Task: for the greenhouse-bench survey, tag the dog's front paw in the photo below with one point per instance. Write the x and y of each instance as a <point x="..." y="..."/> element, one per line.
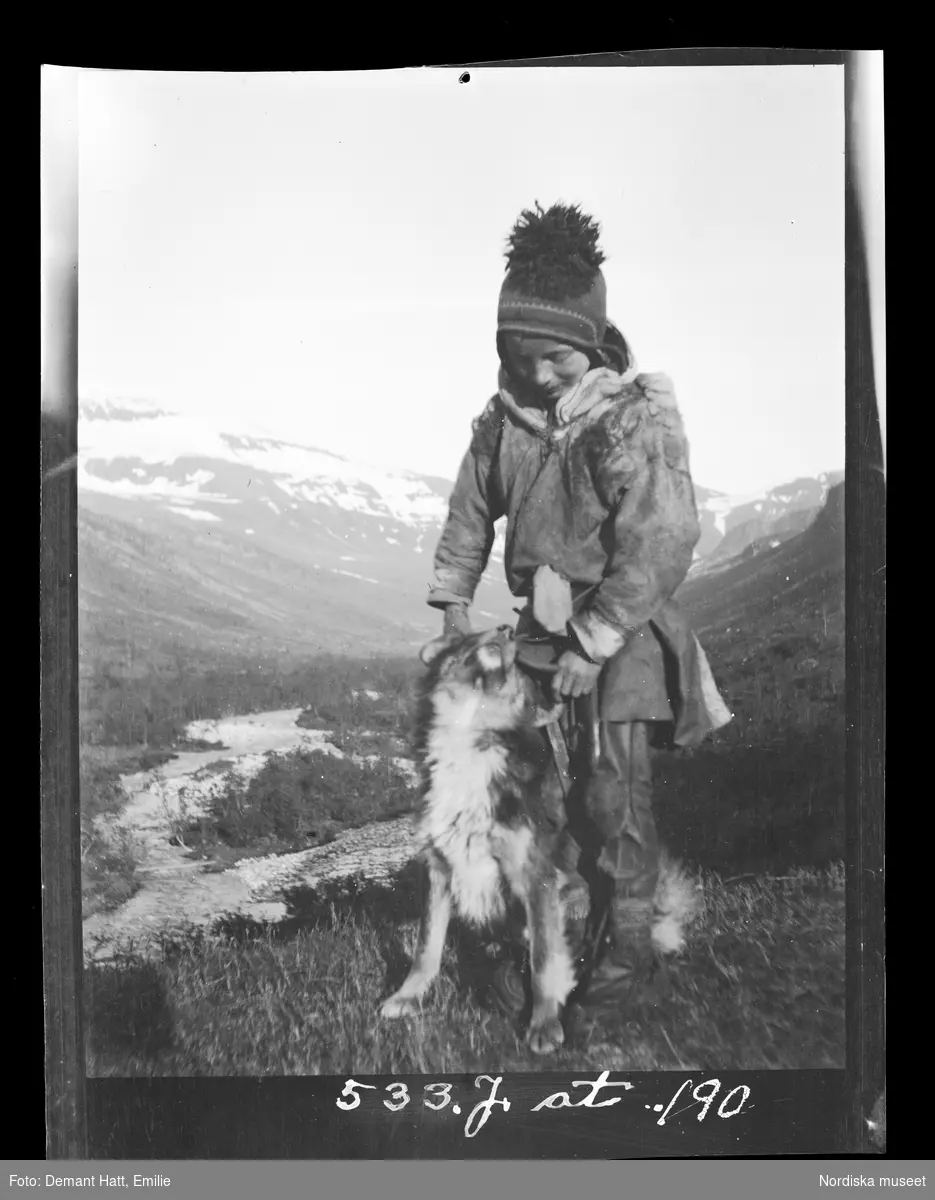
<point x="546" y="1036"/>
<point x="399" y="1006"/>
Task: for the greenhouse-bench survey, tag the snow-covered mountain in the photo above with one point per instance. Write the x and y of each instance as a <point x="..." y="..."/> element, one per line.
<point x="234" y="538"/>
<point x="733" y="525"/>
<point x="240" y="539"/>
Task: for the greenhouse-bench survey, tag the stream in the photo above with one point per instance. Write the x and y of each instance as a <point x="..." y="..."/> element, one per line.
<point x="176" y="892"/>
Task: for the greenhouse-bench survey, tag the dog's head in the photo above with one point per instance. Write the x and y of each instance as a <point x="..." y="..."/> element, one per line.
<point x="485" y="667"/>
<point x="484" y="661"/>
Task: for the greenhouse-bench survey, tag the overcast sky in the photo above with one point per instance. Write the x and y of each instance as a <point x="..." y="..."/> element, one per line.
<point x="321" y="253"/>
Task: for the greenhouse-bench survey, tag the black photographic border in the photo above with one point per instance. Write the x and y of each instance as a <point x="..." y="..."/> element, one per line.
<point x="808" y="1112"/>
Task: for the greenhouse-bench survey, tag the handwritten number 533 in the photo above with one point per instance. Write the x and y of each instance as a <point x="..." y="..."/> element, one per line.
<point x="399" y="1095"/>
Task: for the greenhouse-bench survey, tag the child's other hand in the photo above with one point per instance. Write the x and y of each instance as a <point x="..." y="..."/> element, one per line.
<point x="575" y="676"/>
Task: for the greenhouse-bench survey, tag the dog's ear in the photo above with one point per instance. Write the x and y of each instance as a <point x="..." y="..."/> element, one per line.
<point x="431" y="650"/>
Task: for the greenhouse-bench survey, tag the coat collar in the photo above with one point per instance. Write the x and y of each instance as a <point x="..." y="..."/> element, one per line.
<point x="596" y="386"/>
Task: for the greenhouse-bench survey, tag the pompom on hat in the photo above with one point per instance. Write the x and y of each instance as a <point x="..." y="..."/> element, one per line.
<point x="554" y="287"/>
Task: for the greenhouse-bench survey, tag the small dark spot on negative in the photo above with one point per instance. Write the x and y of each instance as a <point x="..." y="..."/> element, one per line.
<point x="465" y="78"/>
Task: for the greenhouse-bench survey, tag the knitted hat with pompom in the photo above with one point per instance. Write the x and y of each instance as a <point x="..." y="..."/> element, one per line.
<point x="554" y="287"/>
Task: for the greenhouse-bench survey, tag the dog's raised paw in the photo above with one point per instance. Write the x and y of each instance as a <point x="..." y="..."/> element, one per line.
<point x="546" y="1037"/>
<point x="399" y="1006"/>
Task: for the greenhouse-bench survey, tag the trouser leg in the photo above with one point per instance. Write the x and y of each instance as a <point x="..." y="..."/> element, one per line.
<point x="619" y="803"/>
<point x="626" y="857"/>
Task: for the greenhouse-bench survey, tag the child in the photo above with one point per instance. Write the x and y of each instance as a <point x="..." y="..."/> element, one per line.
<point x="588" y="462"/>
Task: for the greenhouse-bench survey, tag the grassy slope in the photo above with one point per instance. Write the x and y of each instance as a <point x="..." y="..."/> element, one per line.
<point x="760" y="987"/>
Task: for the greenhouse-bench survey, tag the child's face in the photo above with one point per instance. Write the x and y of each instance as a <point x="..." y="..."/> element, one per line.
<point x="551" y="369"/>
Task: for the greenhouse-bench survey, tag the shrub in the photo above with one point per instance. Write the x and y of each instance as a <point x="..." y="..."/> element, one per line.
<point x="109" y="865"/>
<point x="306" y="795"/>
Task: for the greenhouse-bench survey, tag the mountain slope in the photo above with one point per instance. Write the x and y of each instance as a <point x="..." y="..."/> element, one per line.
<point x="194" y="537"/>
<point x="805" y="571"/>
<point x="187" y="585"/>
<point x="773" y="624"/>
<point x="730" y="524"/>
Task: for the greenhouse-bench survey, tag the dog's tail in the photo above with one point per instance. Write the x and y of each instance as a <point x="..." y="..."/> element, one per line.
<point x="675" y="905"/>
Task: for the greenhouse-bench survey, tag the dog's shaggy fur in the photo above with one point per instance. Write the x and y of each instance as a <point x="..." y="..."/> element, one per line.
<point x="485" y="833"/>
<point x="675" y="906"/>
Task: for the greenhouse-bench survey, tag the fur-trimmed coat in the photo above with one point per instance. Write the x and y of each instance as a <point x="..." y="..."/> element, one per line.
<point x="599" y="491"/>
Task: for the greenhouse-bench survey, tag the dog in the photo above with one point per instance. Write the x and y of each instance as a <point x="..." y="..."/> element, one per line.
<point x="485" y="835"/>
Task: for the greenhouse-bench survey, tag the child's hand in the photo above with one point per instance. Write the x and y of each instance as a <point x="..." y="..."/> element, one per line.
<point x="575" y="676"/>
<point x="457" y="622"/>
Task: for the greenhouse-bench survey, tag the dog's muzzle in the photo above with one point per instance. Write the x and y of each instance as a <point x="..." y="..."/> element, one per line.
<point x="498" y="651"/>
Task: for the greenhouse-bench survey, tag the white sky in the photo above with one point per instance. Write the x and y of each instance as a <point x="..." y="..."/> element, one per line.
<point x="322" y="253"/>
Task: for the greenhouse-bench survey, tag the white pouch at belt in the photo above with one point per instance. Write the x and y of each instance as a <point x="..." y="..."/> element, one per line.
<point x="551" y="600"/>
